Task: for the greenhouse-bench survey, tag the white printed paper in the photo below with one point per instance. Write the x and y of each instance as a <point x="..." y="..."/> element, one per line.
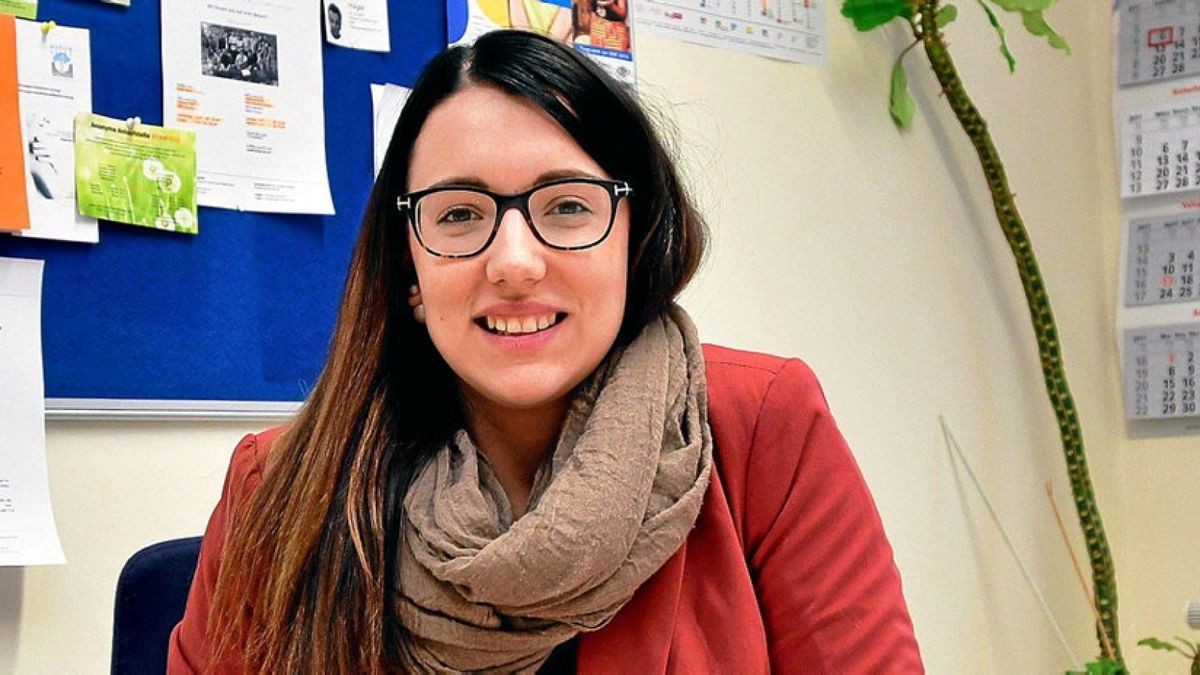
<point x="792" y="30"/>
<point x="54" y="75"/>
<point x="27" y="532"/>
<point x="387" y="100"/>
<point x="246" y="77"/>
<point x="358" y="24"/>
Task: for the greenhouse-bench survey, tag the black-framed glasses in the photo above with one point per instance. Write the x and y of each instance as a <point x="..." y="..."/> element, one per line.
<point x="568" y="214"/>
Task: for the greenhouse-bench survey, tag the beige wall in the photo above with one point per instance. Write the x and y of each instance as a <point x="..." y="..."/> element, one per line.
<point x="873" y="255"/>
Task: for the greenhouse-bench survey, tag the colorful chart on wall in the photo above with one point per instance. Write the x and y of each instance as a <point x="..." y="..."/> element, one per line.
<point x="602" y="30"/>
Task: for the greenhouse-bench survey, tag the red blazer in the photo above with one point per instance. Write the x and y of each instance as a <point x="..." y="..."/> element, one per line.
<point x="788" y="569"/>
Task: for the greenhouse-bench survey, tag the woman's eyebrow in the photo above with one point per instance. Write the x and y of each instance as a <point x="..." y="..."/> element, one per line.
<point x="474" y="181"/>
<point x="556" y="174"/>
<point x="469" y="181"/>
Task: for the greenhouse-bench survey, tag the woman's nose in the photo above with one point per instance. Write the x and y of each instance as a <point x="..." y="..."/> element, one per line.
<point x="515" y="256"/>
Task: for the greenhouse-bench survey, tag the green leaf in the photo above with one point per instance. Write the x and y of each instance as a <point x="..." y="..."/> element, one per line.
<point x="1190" y="645"/>
<point x="868" y="14"/>
<point x="1023" y="5"/>
<point x="1012" y="63"/>
<point x="1105" y="666"/>
<point x="945" y="15"/>
<point x="1036" y="24"/>
<point x="901" y="104"/>
<point x="1155" y="643"/>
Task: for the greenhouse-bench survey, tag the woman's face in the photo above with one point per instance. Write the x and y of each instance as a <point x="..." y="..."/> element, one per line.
<point x="482" y="136"/>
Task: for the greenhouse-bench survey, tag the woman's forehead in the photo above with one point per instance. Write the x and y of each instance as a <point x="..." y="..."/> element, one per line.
<point x="496" y="138"/>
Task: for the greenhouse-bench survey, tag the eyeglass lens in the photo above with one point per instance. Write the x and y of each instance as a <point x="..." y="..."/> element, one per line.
<point x="568" y="215"/>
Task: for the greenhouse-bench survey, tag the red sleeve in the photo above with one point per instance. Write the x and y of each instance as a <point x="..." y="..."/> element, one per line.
<point x="188" y="650"/>
<point x="823" y="569"/>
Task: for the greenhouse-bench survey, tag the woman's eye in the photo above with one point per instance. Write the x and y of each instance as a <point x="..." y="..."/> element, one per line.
<point x="458" y="216"/>
<point x="569" y="208"/>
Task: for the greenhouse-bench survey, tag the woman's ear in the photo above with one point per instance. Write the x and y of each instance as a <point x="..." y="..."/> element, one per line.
<point x="415" y="302"/>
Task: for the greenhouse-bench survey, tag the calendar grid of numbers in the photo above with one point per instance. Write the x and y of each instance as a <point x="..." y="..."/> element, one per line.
<point x="1161" y="151"/>
<point x="1159" y="40"/>
<point x="1160" y="371"/>
<point x="1161" y="260"/>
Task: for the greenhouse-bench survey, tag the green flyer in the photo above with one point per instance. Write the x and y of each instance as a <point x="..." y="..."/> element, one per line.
<point x="135" y="173"/>
<point x="25" y="9"/>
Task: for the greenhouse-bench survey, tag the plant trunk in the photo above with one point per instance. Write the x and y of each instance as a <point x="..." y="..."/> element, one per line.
<point x="1044" y="326"/>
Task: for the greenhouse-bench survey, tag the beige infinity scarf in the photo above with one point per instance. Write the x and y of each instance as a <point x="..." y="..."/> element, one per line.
<point x="619" y="496"/>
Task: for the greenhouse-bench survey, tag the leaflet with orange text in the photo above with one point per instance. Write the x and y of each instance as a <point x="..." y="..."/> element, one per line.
<point x="246" y="77"/>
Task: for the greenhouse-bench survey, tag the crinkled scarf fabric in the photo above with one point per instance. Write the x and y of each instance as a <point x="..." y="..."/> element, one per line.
<point x="618" y="496"/>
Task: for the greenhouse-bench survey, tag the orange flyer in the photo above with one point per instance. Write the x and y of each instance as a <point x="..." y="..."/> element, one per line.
<point x="14" y="207"/>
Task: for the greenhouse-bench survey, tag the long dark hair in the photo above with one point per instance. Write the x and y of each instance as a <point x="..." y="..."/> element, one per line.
<point x="306" y="577"/>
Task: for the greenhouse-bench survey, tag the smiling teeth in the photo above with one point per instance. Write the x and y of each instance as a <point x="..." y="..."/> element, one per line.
<point x="520" y="325"/>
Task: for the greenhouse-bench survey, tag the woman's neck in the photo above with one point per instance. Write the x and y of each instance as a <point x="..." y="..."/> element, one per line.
<point x="515" y="442"/>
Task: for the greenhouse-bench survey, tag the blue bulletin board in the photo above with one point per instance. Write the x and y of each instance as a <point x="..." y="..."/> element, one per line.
<point x="235" y="320"/>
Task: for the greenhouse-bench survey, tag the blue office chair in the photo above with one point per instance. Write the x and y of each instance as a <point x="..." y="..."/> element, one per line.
<point x="151" y="595"/>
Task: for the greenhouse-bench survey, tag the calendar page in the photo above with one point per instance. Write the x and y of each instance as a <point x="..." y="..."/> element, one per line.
<point x="1161" y="260"/>
<point x="1160" y="150"/>
<point x="1160" y="371"/>
<point x="1159" y="40"/>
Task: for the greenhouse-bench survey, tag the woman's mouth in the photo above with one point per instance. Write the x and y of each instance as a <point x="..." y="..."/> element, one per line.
<point x="519" y="325"/>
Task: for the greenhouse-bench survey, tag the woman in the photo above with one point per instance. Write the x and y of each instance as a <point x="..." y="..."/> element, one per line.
<point x="507" y="464"/>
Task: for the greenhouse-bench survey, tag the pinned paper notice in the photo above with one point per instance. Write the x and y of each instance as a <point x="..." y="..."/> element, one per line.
<point x="28" y="535"/>
<point x="136" y="173"/>
<point x="362" y="24"/>
<point x="14" y="210"/>
<point x="25" y="9"/>
<point x="243" y="82"/>
<point x="387" y="100"/>
<point x="55" y="74"/>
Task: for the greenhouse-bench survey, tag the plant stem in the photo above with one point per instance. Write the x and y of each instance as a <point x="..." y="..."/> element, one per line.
<point x="1044" y="327"/>
<point x="1087" y="594"/>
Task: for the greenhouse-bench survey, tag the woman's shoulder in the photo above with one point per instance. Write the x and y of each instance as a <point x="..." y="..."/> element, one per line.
<point x="249" y="460"/>
<point x="744" y="381"/>
<point x="761" y="400"/>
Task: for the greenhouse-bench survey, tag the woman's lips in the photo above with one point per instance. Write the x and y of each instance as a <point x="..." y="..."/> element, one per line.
<point x="517" y="324"/>
<point x="523" y="341"/>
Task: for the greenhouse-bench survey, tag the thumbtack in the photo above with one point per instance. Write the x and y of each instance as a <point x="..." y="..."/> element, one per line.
<point x="47" y="26"/>
<point x="131" y="122"/>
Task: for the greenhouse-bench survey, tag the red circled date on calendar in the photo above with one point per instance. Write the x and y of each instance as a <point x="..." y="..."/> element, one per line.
<point x="1160" y="37"/>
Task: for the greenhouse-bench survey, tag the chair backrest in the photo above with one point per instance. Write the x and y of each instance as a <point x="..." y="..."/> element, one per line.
<point x="151" y="595"/>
